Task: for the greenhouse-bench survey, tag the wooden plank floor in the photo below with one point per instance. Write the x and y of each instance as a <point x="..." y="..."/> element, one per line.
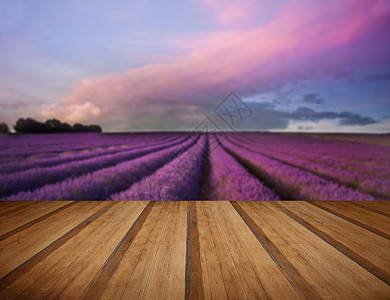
<point x="194" y="250"/>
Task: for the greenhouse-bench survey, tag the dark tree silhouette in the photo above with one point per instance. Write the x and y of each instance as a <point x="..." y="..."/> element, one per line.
<point x="56" y="126"/>
<point x="94" y="128"/>
<point x="4" y="128"/>
<point x="86" y="128"/>
<point x="29" y="125"/>
<point x="78" y="127"/>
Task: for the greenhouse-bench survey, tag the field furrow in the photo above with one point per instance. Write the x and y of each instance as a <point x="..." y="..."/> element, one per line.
<point x="291" y="182"/>
<point x="231" y="166"/>
<point x="37" y="177"/>
<point x="43" y="146"/>
<point x="229" y="180"/>
<point x="374" y="186"/>
<point x="87" y="154"/>
<point x="101" y="184"/>
<point x="181" y="179"/>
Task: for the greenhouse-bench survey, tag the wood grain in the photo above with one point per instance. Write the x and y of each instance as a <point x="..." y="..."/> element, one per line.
<point x="23" y="222"/>
<point x="194" y="282"/>
<point x="374" y="208"/>
<point x="233" y="258"/>
<point x="10" y="207"/>
<point x="382" y="206"/>
<point x="289" y="271"/>
<point x="92" y="215"/>
<point x="328" y="271"/>
<point x="358" y="216"/>
<point x="167" y="276"/>
<point x="131" y="276"/>
<point x="376" y="260"/>
<point x="102" y="277"/>
<point x="194" y="250"/>
<point x="66" y="267"/>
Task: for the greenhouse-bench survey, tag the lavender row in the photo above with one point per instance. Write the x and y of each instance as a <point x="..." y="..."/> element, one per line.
<point x="49" y="160"/>
<point x="371" y="160"/>
<point x="291" y="182"/>
<point x="344" y="154"/>
<point x="66" y="143"/>
<point x="68" y="153"/>
<point x="228" y="180"/>
<point x="52" y="140"/>
<point x="15" y="141"/>
<point x="361" y="177"/>
<point x="25" y="145"/>
<point x="52" y="161"/>
<point x="101" y="184"/>
<point x="37" y="177"/>
<point x="181" y="179"/>
<point x="365" y="183"/>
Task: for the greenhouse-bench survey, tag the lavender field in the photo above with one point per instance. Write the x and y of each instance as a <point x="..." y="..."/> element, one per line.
<point x="183" y="166"/>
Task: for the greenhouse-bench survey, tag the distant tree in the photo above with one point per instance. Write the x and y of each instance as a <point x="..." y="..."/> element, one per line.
<point x="29" y="125"/>
<point x="54" y="125"/>
<point x="4" y="128"/>
<point x="78" y="128"/>
<point x="86" y="128"/>
<point x="94" y="128"/>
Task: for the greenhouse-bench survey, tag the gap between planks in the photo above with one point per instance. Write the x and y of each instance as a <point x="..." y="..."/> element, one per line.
<point x="193" y="271"/>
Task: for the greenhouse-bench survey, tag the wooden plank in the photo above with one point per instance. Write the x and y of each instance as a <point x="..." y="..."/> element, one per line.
<point x="193" y="278"/>
<point x="105" y="273"/>
<point x="211" y="270"/>
<point x="10" y="225"/>
<point x="288" y="269"/>
<point x="238" y="273"/>
<point x="130" y="277"/>
<point x="365" y="248"/>
<point x="48" y="278"/>
<point x="247" y="270"/>
<point x="19" y="216"/>
<point x="328" y="271"/>
<point x="89" y="263"/>
<point x="19" y="265"/>
<point x="140" y="279"/>
<point x="175" y="283"/>
<point x="366" y="219"/>
<point x="88" y="250"/>
<point x="10" y="207"/>
<point x="379" y="207"/>
<point x="167" y="277"/>
<point x="38" y="279"/>
<point x="19" y="248"/>
<point x="383" y="206"/>
<point x="245" y="246"/>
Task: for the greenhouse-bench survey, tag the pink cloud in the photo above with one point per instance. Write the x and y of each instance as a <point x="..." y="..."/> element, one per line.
<point x="307" y="39"/>
<point x="72" y="113"/>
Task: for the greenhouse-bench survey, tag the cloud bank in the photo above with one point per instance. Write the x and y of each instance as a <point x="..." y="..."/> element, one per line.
<point x="267" y="116"/>
<point x="307" y="39"/>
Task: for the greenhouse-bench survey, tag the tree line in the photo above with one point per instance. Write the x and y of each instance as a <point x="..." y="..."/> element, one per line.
<point x="29" y="125"/>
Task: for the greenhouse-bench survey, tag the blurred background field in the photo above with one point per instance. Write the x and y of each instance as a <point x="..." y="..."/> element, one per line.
<point x="195" y="166"/>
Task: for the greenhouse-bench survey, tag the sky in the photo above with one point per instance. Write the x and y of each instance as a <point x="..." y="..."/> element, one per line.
<point x="294" y="65"/>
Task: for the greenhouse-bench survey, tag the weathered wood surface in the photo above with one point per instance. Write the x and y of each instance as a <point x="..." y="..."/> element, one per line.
<point x="194" y="250"/>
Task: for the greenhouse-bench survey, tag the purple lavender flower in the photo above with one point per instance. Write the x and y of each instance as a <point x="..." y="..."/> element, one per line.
<point x="229" y="180"/>
<point x="99" y="185"/>
<point x="181" y="179"/>
<point x="291" y="182"/>
<point x="37" y="177"/>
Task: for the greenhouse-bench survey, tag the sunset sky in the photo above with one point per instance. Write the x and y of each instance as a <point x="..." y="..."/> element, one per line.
<point x="304" y="65"/>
